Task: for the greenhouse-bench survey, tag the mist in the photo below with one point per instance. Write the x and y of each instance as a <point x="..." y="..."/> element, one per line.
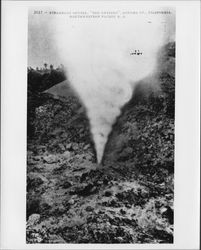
<point x="105" y="59"/>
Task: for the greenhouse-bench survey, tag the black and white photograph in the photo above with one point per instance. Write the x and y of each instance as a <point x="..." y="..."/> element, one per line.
<point x="100" y="125"/>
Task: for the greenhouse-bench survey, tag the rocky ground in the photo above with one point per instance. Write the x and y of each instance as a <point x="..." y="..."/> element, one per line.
<point x="126" y="199"/>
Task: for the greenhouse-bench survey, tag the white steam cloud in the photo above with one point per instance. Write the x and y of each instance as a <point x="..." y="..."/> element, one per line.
<point x="102" y="67"/>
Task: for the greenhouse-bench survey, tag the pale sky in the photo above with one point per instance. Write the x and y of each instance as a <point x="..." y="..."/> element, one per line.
<point x="41" y="47"/>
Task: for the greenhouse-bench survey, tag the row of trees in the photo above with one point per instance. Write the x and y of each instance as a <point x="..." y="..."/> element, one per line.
<point x="46" y="68"/>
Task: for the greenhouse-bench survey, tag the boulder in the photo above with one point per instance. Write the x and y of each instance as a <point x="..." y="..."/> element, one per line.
<point x="33" y="219"/>
<point x="50" y="159"/>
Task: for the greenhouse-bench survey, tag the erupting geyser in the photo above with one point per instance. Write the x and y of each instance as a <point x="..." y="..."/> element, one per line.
<point x="105" y="58"/>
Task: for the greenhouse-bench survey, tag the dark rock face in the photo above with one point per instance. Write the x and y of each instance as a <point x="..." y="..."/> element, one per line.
<point x="127" y="199"/>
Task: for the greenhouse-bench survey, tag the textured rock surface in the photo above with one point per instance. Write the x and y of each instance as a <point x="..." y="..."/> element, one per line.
<point x="127" y="199"/>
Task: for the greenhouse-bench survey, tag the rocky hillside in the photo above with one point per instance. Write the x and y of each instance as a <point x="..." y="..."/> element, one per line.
<point x="127" y="199"/>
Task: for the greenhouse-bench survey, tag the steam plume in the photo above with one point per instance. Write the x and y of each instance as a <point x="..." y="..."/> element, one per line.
<point x="102" y="66"/>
